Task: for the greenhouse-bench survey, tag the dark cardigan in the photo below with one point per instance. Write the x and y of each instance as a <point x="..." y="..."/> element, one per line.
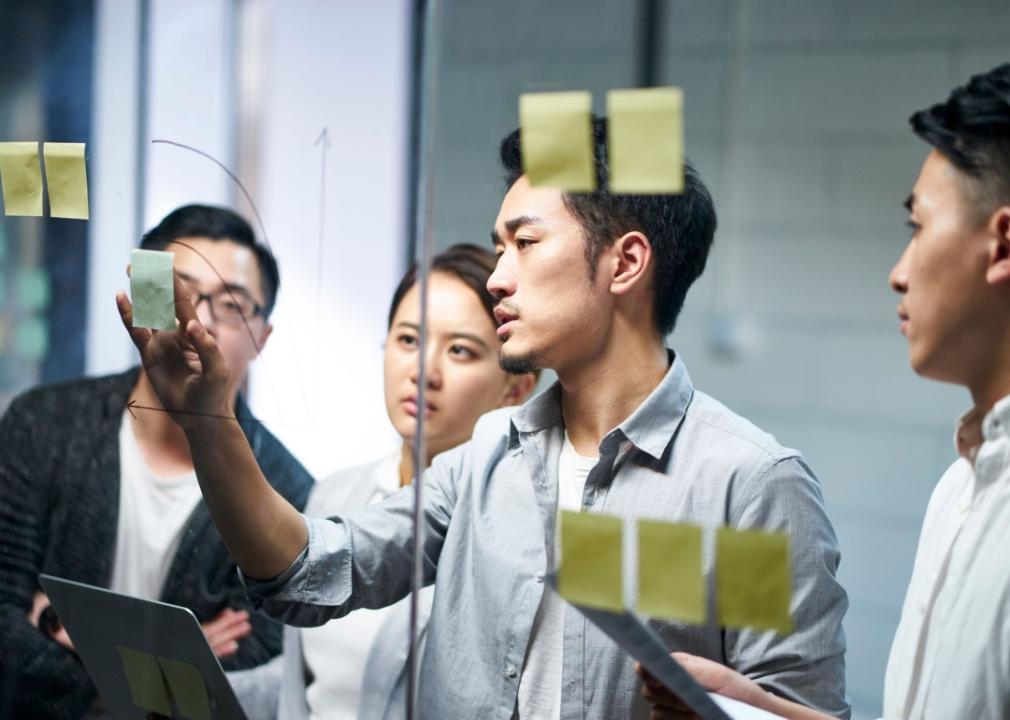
<point x="59" y="507"/>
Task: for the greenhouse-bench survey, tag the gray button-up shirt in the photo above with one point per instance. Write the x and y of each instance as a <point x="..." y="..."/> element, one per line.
<point x="489" y="514"/>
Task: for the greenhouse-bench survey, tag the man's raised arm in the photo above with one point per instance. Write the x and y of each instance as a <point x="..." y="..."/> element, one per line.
<point x="262" y="531"/>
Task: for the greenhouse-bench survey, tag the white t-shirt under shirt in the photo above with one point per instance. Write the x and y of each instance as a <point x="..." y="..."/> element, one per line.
<point x="540" y="683"/>
<point x="153" y="512"/>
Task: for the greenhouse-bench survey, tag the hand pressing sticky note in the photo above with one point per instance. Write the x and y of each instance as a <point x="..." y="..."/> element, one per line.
<point x="556" y="140"/>
<point x="21" y="176"/>
<point x="753" y="580"/>
<point x="590" y="572"/>
<point x="670" y="580"/>
<point x="188" y="689"/>
<point x="67" y="180"/>
<point x="147" y="686"/>
<point x="645" y="141"/>
<point x="152" y="289"/>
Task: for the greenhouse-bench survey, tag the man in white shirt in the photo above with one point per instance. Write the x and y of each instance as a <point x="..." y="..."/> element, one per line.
<point x="951" y="654"/>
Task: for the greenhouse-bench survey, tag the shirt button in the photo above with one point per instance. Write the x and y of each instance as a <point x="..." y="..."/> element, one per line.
<point x="922" y="608"/>
<point x="539" y="577"/>
<point x="510" y="670"/>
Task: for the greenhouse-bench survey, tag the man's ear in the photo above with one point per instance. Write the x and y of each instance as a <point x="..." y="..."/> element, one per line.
<point x="518" y="389"/>
<point x="265" y="334"/>
<point x="632" y="255"/>
<point x="998" y="271"/>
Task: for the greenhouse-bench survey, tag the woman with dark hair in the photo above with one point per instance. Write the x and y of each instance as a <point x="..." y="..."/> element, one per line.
<point x="355" y="667"/>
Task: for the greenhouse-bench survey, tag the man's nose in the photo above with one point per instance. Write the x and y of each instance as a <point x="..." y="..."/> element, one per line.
<point x="502" y="281"/>
<point x="898" y="279"/>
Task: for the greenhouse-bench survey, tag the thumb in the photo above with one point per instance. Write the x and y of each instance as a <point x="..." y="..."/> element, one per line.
<point x="207" y="349"/>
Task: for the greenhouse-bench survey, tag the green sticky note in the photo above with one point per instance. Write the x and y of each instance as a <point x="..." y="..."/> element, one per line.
<point x="31" y="338"/>
<point x="188" y="689"/>
<point x="67" y="180"/>
<point x="21" y="176"/>
<point x="753" y="580"/>
<point x="33" y="289"/>
<point x="556" y="140"/>
<point x="590" y="572"/>
<point x="152" y="289"/>
<point x="670" y="580"/>
<point x="147" y="686"/>
<point x="645" y="141"/>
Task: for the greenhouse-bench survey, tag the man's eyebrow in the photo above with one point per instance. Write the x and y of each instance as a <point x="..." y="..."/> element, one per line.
<point x="232" y="287"/>
<point x="909" y="202"/>
<point x="511" y="226"/>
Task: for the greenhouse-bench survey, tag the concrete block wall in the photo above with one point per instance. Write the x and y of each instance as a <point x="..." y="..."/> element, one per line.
<point x="796" y="115"/>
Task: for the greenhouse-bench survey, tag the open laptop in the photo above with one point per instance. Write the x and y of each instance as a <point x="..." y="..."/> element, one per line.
<point x="144" y="656"/>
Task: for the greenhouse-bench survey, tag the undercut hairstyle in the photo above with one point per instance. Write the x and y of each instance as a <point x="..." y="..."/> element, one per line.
<point x="217" y="223"/>
<point x="680" y="228"/>
<point x="972" y="130"/>
<point x="470" y="264"/>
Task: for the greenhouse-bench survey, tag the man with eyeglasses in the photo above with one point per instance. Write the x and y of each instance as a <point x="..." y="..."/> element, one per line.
<point x="97" y="484"/>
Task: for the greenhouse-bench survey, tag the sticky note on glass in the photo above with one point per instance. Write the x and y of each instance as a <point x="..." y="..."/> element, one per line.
<point x="147" y="687"/>
<point x="67" y="180"/>
<point x="753" y="580"/>
<point x="556" y="140"/>
<point x="21" y="176"/>
<point x="590" y="572"/>
<point x="188" y="689"/>
<point x="645" y="141"/>
<point x="152" y="289"/>
<point x="670" y="580"/>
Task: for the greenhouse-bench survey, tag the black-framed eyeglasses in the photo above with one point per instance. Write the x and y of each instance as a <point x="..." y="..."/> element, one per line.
<point x="228" y="305"/>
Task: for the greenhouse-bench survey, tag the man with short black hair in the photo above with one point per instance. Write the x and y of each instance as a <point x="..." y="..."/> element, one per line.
<point x="950" y="659"/>
<point x="588" y="285"/>
<point x="97" y="484"/>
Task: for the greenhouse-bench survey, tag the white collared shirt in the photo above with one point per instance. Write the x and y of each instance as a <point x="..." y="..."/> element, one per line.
<point x="951" y="654"/>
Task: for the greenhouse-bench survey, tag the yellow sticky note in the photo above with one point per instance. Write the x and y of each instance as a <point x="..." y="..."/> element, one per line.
<point x="147" y="687"/>
<point x="21" y="176"/>
<point x="67" y="180"/>
<point x="645" y="141"/>
<point x="152" y="289"/>
<point x="670" y="580"/>
<point x="753" y="580"/>
<point x="590" y="572"/>
<point x="556" y="140"/>
<point x="188" y="689"/>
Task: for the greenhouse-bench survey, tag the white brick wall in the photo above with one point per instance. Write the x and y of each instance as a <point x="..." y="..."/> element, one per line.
<point x="800" y="269"/>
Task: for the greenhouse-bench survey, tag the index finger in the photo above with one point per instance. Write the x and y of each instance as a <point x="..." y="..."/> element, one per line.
<point x="184" y="310"/>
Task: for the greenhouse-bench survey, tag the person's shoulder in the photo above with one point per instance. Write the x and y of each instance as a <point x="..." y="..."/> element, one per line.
<point x="737" y="436"/>
<point x="72" y="399"/>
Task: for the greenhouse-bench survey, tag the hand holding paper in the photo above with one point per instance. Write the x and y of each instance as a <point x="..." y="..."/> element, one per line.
<point x="184" y="365"/>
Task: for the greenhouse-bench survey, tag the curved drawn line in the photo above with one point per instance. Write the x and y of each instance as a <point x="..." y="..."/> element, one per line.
<point x="229" y="173"/>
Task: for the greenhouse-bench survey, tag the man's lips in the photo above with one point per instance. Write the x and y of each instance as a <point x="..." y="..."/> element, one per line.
<point x="504" y="318"/>
<point x="903" y="317"/>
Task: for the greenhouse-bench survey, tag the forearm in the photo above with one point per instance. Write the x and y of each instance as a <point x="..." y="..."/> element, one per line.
<point x="791" y="710"/>
<point x="262" y="531"/>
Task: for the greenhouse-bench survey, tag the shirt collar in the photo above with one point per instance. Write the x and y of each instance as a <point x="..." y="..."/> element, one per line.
<point x="649" y="428"/>
<point x="973" y="429"/>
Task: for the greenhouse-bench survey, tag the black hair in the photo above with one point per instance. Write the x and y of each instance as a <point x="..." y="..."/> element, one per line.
<point x="468" y="263"/>
<point x="679" y="227"/>
<point x="217" y="223"/>
<point x="972" y="130"/>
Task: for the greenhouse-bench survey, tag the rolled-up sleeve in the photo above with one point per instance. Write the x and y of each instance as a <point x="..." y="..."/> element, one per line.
<point x="363" y="557"/>
<point x="808" y="665"/>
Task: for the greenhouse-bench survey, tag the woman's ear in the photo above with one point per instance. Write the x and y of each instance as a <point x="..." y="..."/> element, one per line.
<point x="998" y="271"/>
<point x="517" y="389"/>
